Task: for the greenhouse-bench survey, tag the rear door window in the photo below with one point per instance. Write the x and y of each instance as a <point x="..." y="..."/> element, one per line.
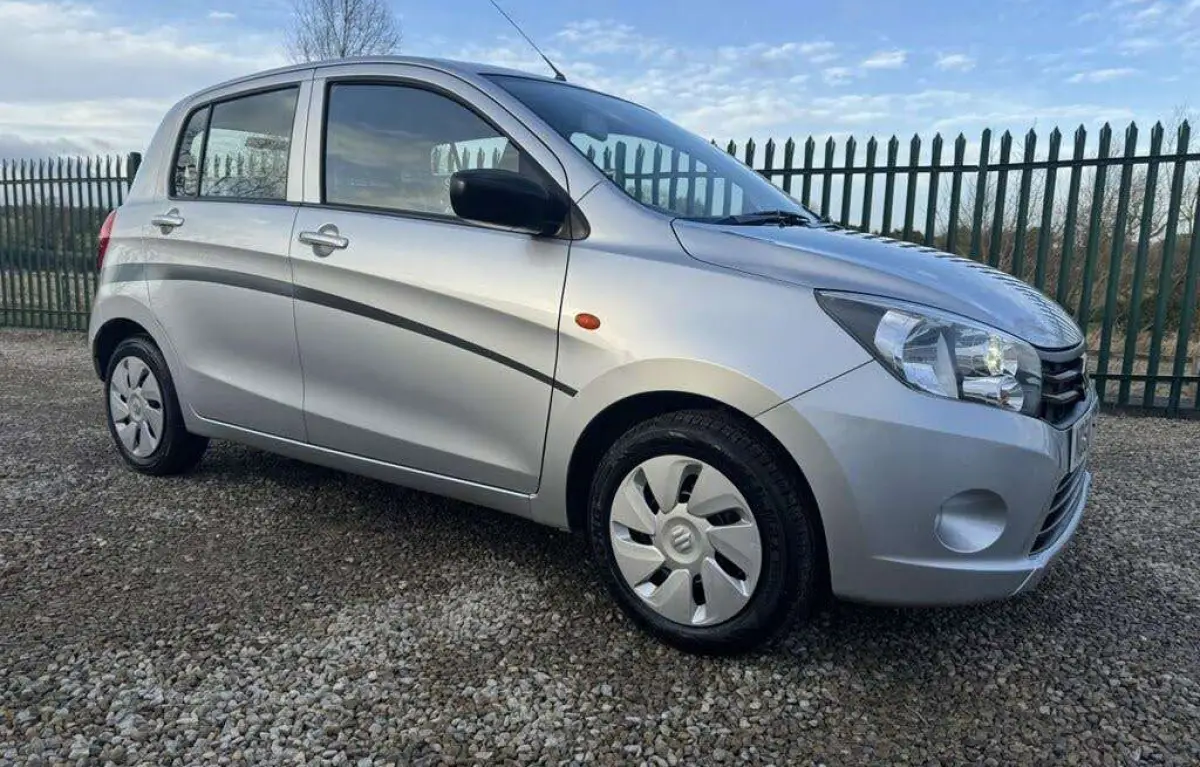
<point x="238" y="148"/>
<point x="246" y="155"/>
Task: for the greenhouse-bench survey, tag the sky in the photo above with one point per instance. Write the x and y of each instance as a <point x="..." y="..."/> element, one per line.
<point x="96" y="75"/>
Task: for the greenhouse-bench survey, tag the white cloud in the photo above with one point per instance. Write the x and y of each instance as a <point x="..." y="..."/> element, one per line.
<point x="837" y="75"/>
<point x="779" y="55"/>
<point x="1149" y="13"/>
<point x="604" y="37"/>
<point x="821" y="51"/>
<point x="100" y="82"/>
<point x="82" y="126"/>
<point x="885" y="60"/>
<point x="103" y="83"/>
<point x="955" y="61"/>
<point x="222" y="15"/>
<point x="1135" y="45"/>
<point x="1018" y="115"/>
<point x="1101" y="75"/>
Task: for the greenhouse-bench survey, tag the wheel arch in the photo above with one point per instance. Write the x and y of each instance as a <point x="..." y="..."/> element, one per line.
<point x="108" y="337"/>
<point x="608" y="425"/>
<point x="120" y="316"/>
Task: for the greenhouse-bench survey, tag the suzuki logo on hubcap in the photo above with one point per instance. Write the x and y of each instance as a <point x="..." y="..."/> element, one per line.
<point x="682" y="539"/>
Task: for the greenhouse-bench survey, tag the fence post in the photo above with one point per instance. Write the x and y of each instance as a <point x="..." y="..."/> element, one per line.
<point x="1182" y="139"/>
<point x="960" y="149"/>
<point x="1084" y="312"/>
<point x="1018" y="253"/>
<point x="996" y="241"/>
<point x="827" y="176"/>
<point x="789" y="156"/>
<point x="132" y="163"/>
<point x="935" y="164"/>
<point x="1067" y="247"/>
<point x="889" y="185"/>
<point x="806" y="182"/>
<point x="1134" y="311"/>
<point x="910" y="193"/>
<point x="848" y="181"/>
<point x="869" y="183"/>
<point x="1051" y="178"/>
<point x="5" y="245"/>
<point x="1117" y="254"/>
<point x="981" y="187"/>
<point x="1185" y="320"/>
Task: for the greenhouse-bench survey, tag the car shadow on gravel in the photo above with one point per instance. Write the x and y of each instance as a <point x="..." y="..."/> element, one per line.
<point x="400" y="519"/>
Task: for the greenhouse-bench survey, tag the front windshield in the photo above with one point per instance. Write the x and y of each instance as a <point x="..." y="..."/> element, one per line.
<point x="655" y="161"/>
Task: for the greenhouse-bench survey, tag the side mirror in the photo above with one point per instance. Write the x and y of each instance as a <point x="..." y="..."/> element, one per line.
<point x="506" y="198"/>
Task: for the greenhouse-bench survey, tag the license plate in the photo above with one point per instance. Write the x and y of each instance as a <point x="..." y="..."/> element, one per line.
<point x="1081" y="438"/>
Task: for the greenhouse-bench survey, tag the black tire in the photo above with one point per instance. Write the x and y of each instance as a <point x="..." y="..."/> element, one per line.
<point x="178" y="450"/>
<point x="788" y="585"/>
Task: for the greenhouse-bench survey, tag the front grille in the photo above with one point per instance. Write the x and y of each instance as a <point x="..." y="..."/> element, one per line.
<point x="1064" y="386"/>
<point x="1066" y="499"/>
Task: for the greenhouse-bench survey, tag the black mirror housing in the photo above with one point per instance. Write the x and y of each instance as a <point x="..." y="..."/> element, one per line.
<point x="506" y="198"/>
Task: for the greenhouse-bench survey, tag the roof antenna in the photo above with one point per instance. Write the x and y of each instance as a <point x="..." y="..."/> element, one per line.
<point x="557" y="74"/>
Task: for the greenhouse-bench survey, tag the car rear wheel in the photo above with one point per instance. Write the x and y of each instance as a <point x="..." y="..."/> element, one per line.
<point x="144" y="417"/>
<point x="701" y="532"/>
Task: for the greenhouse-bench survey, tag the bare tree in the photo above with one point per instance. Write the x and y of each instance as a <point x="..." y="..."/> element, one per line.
<point x="336" y="29"/>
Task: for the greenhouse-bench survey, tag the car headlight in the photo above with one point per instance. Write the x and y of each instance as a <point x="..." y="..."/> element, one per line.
<point x="941" y="353"/>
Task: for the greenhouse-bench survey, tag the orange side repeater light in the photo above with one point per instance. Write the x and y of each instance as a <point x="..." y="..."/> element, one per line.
<point x="587" y="321"/>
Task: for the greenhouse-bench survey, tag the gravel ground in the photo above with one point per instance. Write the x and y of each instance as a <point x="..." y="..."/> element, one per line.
<point x="262" y="610"/>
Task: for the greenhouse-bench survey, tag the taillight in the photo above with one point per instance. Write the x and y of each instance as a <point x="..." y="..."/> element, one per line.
<point x="105" y="234"/>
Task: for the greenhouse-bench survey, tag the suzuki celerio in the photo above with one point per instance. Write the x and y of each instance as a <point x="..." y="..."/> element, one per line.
<point x="542" y="299"/>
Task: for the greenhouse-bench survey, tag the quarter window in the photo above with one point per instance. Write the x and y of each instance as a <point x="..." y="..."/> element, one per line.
<point x="238" y="148"/>
<point x="186" y="182"/>
<point x="395" y="147"/>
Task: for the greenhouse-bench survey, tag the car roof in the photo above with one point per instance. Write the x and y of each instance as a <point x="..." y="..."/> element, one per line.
<point x="445" y="65"/>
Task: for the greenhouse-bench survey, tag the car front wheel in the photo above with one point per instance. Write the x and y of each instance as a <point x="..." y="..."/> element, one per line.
<point x="702" y="533"/>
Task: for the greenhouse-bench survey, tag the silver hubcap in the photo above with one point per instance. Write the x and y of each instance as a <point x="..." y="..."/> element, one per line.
<point x="685" y="540"/>
<point x="135" y="406"/>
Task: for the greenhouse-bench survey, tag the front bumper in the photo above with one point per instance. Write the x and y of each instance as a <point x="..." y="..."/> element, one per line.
<point x="927" y="501"/>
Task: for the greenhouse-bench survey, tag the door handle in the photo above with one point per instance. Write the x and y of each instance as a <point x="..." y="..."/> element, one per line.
<point x="168" y="221"/>
<point x="325" y="240"/>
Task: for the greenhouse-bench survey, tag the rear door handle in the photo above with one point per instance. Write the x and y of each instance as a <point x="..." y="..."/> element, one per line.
<point x="168" y="221"/>
<point x="325" y="240"/>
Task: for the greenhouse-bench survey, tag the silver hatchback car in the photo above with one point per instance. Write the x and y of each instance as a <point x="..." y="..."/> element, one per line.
<point x="549" y="301"/>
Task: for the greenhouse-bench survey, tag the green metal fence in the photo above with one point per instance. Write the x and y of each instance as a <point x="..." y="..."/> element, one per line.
<point x="50" y="217"/>
<point x="1106" y="228"/>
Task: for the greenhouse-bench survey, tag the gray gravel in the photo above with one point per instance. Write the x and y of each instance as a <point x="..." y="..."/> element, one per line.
<point x="262" y="610"/>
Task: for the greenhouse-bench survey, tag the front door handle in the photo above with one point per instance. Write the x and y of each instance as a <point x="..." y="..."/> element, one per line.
<point x="325" y="240"/>
<point x="168" y="221"/>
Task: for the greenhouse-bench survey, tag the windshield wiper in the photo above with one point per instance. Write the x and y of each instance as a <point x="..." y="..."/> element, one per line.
<point x="768" y="217"/>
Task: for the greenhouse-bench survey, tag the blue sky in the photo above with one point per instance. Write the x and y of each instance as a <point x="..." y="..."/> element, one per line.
<point x="93" y="75"/>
